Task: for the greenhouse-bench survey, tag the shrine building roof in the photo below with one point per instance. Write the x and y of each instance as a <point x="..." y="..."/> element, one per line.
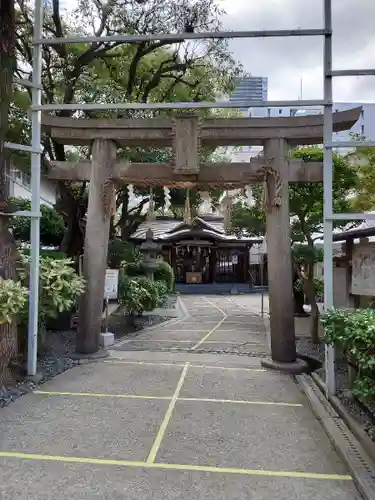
<point x="166" y="228"/>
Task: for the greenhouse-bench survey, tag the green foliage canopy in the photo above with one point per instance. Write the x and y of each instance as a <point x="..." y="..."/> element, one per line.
<point x="52" y="225"/>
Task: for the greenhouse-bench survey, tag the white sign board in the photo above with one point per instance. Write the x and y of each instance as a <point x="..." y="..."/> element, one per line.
<point x="363" y="269"/>
<point x="234" y="259"/>
<point x="111" y="284"/>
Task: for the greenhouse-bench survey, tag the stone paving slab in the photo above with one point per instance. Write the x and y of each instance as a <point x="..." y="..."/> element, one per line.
<point x="210" y="326"/>
<point x="236" y="335"/>
<point x="198" y="323"/>
<point x="192" y="442"/>
<point x="81" y="427"/>
<point x="59" y="481"/>
<point x="143" y="345"/>
<point x="152" y="380"/>
<point x="256" y="437"/>
<point x="242" y="385"/>
<point x="201" y="359"/>
<point x="192" y="335"/>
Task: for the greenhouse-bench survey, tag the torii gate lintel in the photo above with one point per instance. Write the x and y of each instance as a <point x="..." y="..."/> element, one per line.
<point x="187" y="134"/>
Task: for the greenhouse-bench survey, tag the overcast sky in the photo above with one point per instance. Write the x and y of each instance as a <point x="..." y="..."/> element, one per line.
<point x="286" y="61"/>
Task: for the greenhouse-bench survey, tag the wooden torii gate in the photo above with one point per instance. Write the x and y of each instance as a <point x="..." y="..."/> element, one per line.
<point x="186" y="134"/>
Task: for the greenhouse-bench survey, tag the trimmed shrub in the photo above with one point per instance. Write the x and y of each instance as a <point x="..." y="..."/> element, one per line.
<point x="121" y="251"/>
<point x="140" y="294"/>
<point x="165" y="273"/>
<point x="13" y="299"/>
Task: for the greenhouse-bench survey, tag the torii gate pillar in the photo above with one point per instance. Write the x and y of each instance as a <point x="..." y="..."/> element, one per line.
<point x="100" y="206"/>
<point x="280" y="278"/>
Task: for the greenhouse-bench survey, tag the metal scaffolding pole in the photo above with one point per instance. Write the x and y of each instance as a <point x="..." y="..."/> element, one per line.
<point x="177" y="105"/>
<point x="178" y="37"/>
<point x="36" y="117"/>
<point x="327" y="189"/>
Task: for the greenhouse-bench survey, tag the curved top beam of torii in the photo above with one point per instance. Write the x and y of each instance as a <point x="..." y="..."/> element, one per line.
<point x="297" y="130"/>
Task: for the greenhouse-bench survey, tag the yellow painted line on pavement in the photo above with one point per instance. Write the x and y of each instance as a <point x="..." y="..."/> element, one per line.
<point x="209" y="334"/>
<point x="229" y="368"/>
<point x="99" y="395"/>
<point x="241" y="402"/>
<point x="176" y="467"/>
<point x="238" y="304"/>
<point x="170" y="330"/>
<point x="117" y="361"/>
<point x="180" y="365"/>
<point x="165" y="398"/>
<point x="171" y="341"/>
<point x="160" y="340"/>
<point x="204" y="339"/>
<point x="160" y="435"/>
<point x="215" y="306"/>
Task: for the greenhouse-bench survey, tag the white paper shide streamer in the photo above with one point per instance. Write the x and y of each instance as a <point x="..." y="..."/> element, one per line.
<point x="151" y="208"/>
<point x="249" y="196"/>
<point x="167" y="200"/>
<point x="206" y="206"/>
<point x="130" y="191"/>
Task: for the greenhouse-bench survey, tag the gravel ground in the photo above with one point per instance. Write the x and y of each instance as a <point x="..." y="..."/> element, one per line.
<point x="361" y="413"/>
<point x="307" y="348"/>
<point x="124" y="326"/>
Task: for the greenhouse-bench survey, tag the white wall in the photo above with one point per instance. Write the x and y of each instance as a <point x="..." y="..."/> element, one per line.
<point x="19" y="187"/>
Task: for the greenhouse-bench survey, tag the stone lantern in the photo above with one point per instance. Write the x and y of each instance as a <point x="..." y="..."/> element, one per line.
<point x="149" y="250"/>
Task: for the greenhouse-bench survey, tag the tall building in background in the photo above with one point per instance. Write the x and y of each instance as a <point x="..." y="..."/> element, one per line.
<point x="250" y="89"/>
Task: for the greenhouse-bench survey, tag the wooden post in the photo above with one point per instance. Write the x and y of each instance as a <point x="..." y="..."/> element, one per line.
<point x="349" y="245"/>
<point x="246" y="263"/>
<point x="96" y="245"/>
<point x="213" y="262"/>
<point x="280" y="282"/>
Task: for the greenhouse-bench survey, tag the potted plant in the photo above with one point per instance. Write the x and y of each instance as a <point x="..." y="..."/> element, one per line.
<point x="60" y="286"/>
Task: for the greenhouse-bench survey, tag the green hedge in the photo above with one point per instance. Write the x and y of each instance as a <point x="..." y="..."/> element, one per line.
<point x="353" y="330"/>
<point x="50" y="254"/>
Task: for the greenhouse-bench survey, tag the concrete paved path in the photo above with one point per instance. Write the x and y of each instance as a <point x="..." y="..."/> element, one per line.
<point x="210" y="324"/>
<point x="172" y="424"/>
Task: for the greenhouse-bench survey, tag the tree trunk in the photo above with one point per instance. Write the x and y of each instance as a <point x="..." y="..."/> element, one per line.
<point x="130" y="220"/>
<point x="73" y="211"/>
<point x="8" y="249"/>
<point x="310" y="292"/>
<point x="72" y="242"/>
<point x="298" y="295"/>
<point x="299" y="301"/>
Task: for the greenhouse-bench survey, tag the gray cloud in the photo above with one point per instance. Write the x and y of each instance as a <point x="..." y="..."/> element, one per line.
<point x="286" y="61"/>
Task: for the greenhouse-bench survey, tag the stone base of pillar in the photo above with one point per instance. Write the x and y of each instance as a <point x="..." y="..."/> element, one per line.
<point x="295" y="368"/>
<point x="101" y="354"/>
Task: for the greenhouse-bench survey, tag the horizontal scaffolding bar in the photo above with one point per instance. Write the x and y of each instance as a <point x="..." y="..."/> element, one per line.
<point x="177" y="37"/>
<point x="23" y="213"/>
<point x="21" y="147"/>
<point x="352" y="216"/>
<point x="352" y="72"/>
<point x="27" y="83"/>
<point x="350" y="144"/>
<point x="178" y="105"/>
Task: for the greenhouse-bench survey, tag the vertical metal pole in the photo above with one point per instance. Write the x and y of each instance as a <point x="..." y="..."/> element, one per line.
<point x="327" y="188"/>
<point x="35" y="193"/>
<point x="106" y="314"/>
<point x="262" y="284"/>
